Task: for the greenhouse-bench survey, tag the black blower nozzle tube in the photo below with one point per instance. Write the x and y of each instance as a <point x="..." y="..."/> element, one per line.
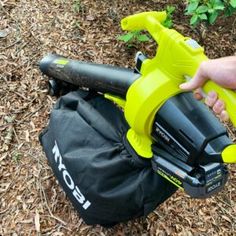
<point x="101" y="78"/>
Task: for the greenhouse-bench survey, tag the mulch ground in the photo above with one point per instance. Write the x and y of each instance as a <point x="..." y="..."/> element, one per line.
<point x="31" y="201"/>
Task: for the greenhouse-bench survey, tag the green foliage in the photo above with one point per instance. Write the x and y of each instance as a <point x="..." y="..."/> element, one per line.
<point x="76" y="6"/>
<point x="76" y="24"/>
<point x="16" y="156"/>
<point x="209" y="10"/>
<point x="134" y="36"/>
<point x="231" y="8"/>
<point x="139" y="36"/>
<point x="168" y="22"/>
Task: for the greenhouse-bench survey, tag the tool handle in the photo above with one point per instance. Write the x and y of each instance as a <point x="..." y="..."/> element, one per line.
<point x="150" y="21"/>
<point x="177" y="55"/>
<point x="227" y="95"/>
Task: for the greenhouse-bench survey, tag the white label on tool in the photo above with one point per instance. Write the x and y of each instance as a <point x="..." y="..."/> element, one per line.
<point x="192" y="43"/>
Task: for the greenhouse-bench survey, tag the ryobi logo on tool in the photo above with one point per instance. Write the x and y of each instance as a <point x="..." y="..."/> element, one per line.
<point x="213" y="187"/>
<point x="162" y="133"/>
<point x="68" y="180"/>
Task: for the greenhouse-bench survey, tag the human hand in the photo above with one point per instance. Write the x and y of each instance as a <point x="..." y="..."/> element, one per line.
<point x="223" y="72"/>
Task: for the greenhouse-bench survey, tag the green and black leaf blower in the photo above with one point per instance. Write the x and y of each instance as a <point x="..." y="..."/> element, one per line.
<point x="183" y="140"/>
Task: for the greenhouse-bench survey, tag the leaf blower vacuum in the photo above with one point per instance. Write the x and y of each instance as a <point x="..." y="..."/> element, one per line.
<point x="169" y="137"/>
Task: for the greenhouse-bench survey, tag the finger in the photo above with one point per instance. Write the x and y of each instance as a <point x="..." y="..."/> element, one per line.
<point x="224" y="116"/>
<point x="198" y="94"/>
<point x="211" y="99"/>
<point x="219" y="106"/>
<point x="197" y="81"/>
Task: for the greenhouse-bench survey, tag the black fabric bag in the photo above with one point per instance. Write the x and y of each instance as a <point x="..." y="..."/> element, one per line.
<point x="102" y="176"/>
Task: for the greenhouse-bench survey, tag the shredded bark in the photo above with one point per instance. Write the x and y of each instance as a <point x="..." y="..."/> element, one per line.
<point x="31" y="201"/>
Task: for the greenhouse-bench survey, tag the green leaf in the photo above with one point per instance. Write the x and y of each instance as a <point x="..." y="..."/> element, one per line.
<point x="136" y="33"/>
<point x="213" y="17"/>
<point x="192" y="7"/>
<point x="233" y="3"/>
<point x="194" y="20"/>
<point x="217" y="2"/>
<point x="203" y="17"/>
<point x="168" y="23"/>
<point x="230" y="11"/>
<point x="202" y="9"/>
<point x="219" y="7"/>
<point x="143" y="38"/>
<point x="76" y="5"/>
<point x="126" y="37"/>
<point x="170" y="10"/>
<point x="211" y="10"/>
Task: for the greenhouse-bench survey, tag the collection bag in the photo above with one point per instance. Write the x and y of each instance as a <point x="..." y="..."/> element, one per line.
<point x="86" y="147"/>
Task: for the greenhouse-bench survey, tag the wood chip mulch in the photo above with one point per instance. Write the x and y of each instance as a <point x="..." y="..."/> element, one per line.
<point x="31" y="201"/>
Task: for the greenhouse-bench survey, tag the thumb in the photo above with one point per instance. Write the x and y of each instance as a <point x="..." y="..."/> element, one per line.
<point x="196" y="82"/>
